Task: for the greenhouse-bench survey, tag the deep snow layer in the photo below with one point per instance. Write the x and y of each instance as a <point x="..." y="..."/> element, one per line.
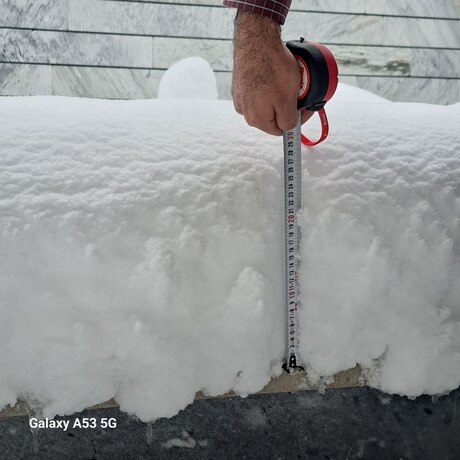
<point x="142" y="251"/>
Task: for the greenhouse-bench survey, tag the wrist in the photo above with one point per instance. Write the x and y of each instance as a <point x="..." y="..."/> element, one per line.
<point x="251" y="26"/>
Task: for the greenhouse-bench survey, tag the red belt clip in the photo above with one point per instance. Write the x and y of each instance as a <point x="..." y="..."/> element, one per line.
<point x="318" y="80"/>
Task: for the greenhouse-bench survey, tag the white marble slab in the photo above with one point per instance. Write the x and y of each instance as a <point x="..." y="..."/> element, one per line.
<point x="188" y="2"/>
<point x="371" y="60"/>
<point x="106" y="83"/>
<point x="429" y="90"/>
<point x="336" y="6"/>
<point x="45" y="14"/>
<point x="373" y="30"/>
<point x="25" y="80"/>
<point x="211" y="22"/>
<point x="167" y="51"/>
<point x="333" y="28"/>
<point x="435" y="63"/>
<point x="428" y="33"/>
<point x="425" y="8"/>
<point x="74" y="48"/>
<point x="210" y="26"/>
<point x="150" y="19"/>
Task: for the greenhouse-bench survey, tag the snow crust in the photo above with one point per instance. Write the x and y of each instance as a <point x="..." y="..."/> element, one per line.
<point x="142" y="251"/>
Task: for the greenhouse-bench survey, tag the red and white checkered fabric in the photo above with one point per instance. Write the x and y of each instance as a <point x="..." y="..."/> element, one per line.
<point x="275" y="9"/>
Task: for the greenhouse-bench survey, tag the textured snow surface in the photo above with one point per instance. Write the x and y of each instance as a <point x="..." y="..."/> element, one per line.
<point x="142" y="251"/>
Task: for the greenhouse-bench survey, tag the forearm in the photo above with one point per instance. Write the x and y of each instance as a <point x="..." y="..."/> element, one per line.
<point x="266" y="76"/>
<point x="257" y="33"/>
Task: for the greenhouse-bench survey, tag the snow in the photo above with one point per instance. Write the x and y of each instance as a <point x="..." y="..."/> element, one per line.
<point x="190" y="78"/>
<point x="142" y="251"/>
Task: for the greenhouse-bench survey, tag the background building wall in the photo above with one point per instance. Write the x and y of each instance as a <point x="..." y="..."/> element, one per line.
<point x="400" y="49"/>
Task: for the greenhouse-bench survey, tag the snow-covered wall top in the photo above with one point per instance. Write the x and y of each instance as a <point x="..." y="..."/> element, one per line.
<point x="403" y="50"/>
<point x="142" y="247"/>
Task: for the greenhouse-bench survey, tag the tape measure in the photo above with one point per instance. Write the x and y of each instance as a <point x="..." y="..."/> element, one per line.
<point x="318" y="82"/>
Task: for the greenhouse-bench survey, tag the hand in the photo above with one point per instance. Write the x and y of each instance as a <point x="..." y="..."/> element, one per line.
<point x="266" y="76"/>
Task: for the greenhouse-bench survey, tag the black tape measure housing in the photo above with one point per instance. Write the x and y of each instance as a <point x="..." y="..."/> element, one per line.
<point x="321" y="72"/>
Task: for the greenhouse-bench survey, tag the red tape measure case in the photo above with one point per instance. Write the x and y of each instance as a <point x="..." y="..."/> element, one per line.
<point x="318" y="80"/>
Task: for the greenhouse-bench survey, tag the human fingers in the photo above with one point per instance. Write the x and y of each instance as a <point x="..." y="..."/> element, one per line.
<point x="286" y="114"/>
<point x="263" y="119"/>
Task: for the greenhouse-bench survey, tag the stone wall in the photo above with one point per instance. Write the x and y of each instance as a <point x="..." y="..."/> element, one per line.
<point x="401" y="49"/>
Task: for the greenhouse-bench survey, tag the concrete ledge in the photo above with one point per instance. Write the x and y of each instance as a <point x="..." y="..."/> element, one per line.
<point x="344" y="423"/>
<point x="285" y="383"/>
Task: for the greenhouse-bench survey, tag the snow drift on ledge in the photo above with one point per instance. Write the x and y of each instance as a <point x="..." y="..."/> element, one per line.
<point x="142" y="250"/>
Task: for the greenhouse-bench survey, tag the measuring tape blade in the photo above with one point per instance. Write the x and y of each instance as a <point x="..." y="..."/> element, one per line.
<point x="292" y="202"/>
<point x="318" y="82"/>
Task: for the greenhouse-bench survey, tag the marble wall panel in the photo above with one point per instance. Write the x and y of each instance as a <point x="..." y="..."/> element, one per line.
<point x="422" y="8"/>
<point x="435" y="63"/>
<point x="210" y="22"/>
<point x="425" y="8"/>
<point x="25" y="80"/>
<point x="334" y="28"/>
<point x="336" y="6"/>
<point x="374" y="30"/>
<point x="150" y="19"/>
<point x="399" y="46"/>
<point x="430" y="33"/>
<point x="429" y="90"/>
<point x="105" y="83"/>
<point x="166" y="51"/>
<point x="74" y="48"/>
<point x="45" y="14"/>
<point x="186" y="2"/>
<point x="370" y="60"/>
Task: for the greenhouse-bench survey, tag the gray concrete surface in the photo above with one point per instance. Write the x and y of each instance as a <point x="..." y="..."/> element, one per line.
<point x="345" y="423"/>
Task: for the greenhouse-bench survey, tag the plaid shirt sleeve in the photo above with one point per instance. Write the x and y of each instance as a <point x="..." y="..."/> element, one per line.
<point x="275" y="9"/>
